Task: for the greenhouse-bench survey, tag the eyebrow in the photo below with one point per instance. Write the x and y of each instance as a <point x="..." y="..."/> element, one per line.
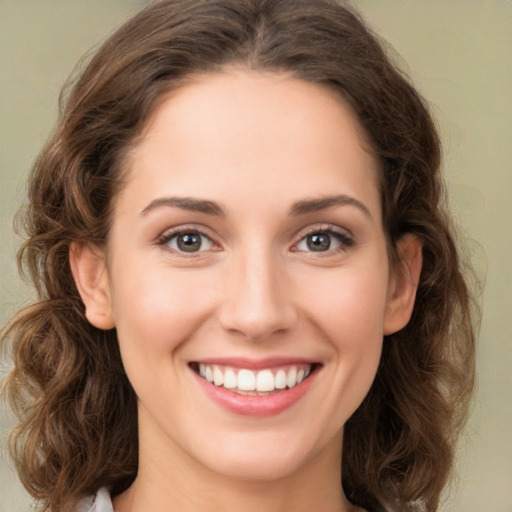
<point x="322" y="203"/>
<point x="186" y="203"/>
<point x="298" y="208"/>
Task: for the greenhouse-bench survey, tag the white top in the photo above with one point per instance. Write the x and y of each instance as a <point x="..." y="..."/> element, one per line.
<point x="99" y="503"/>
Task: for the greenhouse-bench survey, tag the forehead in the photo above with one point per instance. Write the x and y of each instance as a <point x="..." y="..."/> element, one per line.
<point x="237" y="94"/>
<point x="256" y="132"/>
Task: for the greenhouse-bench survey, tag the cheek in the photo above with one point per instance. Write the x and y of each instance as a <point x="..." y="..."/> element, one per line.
<point x="350" y="305"/>
<point x="154" y="319"/>
<point x="345" y="310"/>
<point x="353" y="323"/>
<point x="153" y="308"/>
<point x="348" y="310"/>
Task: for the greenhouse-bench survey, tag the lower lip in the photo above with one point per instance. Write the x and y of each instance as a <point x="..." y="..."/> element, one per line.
<point x="250" y="405"/>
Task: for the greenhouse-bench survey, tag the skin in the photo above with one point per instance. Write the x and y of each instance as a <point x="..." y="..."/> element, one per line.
<point x="256" y="145"/>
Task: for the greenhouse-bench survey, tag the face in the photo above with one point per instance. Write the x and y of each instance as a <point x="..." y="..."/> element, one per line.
<point x="247" y="275"/>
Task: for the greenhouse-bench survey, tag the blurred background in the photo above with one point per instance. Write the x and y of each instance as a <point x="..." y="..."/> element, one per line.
<point x="459" y="54"/>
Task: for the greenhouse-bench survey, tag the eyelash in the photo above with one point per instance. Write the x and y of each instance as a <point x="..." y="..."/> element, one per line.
<point x="166" y="238"/>
<point x="345" y="240"/>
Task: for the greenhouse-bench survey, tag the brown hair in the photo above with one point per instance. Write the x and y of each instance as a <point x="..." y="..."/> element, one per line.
<point x="76" y="408"/>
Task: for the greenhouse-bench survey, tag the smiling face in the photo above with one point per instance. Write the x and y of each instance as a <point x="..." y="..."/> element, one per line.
<point x="247" y="276"/>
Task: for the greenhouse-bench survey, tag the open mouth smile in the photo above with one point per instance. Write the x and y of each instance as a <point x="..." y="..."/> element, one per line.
<point x="258" y="391"/>
<point x="244" y="381"/>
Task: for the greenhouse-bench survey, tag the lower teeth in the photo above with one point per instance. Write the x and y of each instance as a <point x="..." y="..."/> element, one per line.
<point x="254" y="393"/>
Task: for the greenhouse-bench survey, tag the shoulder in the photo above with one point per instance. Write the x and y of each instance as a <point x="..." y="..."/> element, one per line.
<point x="101" y="502"/>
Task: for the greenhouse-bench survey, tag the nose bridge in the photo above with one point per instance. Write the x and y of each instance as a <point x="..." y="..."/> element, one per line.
<point x="257" y="301"/>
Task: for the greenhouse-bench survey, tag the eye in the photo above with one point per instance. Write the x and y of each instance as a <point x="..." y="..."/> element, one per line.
<point x="323" y="241"/>
<point x="187" y="241"/>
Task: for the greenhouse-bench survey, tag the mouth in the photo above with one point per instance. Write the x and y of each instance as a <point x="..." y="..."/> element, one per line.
<point x="254" y="382"/>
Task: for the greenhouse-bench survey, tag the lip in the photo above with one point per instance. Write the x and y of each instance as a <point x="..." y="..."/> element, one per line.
<point x="255" y="364"/>
<point x="259" y="406"/>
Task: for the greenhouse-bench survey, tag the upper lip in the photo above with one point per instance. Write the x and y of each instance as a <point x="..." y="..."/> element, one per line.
<point x="254" y="364"/>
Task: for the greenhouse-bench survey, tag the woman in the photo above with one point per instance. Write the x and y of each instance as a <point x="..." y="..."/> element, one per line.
<point x="249" y="291"/>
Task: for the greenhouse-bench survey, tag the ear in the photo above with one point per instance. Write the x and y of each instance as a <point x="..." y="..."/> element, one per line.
<point x="403" y="284"/>
<point x="91" y="278"/>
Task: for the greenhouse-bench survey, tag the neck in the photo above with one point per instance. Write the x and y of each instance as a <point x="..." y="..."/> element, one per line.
<point x="178" y="482"/>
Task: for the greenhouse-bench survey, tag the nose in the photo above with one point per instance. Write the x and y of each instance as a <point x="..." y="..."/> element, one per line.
<point x="257" y="298"/>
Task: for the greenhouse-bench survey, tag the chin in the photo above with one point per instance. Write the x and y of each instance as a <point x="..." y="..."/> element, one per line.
<point x="257" y="457"/>
<point x="257" y="468"/>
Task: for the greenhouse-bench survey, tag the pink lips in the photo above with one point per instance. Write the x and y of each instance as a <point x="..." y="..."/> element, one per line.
<point x="249" y="405"/>
<point x="256" y="364"/>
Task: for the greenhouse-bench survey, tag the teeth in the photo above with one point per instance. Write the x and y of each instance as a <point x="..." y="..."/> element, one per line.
<point x="218" y="376"/>
<point x="265" y="381"/>
<point x="248" y="382"/>
<point x="280" y="380"/>
<point x="291" y="378"/>
<point x="230" y="380"/>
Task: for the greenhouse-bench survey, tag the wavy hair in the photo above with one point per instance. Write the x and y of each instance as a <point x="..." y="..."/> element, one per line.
<point x="77" y="412"/>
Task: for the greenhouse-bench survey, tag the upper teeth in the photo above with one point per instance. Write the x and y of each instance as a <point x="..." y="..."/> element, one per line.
<point x="245" y="380"/>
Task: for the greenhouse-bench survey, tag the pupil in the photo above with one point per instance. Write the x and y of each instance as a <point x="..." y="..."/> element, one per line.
<point x="319" y="242"/>
<point x="189" y="242"/>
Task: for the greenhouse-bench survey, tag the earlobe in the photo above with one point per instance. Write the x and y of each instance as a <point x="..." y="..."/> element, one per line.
<point x="403" y="284"/>
<point x="91" y="278"/>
